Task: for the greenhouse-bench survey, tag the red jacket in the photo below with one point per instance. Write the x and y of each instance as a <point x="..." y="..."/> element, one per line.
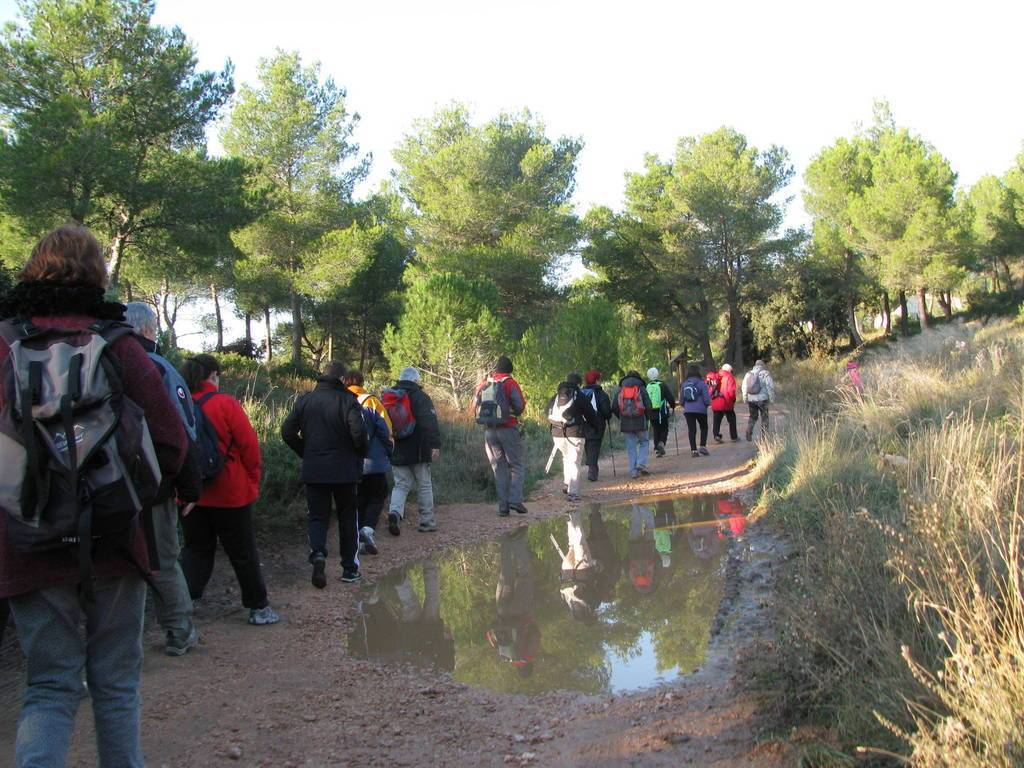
<point x="727" y="392"/>
<point x="513" y="396"/>
<point x="21" y="573"/>
<point x="238" y="484"/>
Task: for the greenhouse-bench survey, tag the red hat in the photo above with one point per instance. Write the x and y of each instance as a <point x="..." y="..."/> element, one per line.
<point x="592" y="376"/>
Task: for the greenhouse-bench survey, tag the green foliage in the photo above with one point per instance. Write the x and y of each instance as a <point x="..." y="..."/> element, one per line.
<point x="107" y="114"/>
<point x="583" y="333"/>
<point x="449" y="332"/>
<point x="492" y="201"/>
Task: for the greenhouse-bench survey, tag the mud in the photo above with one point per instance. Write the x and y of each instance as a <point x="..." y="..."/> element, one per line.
<point x="293" y="695"/>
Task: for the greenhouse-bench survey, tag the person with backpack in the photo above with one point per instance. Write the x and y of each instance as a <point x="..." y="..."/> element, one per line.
<point x="417" y="444"/>
<point x="723" y="403"/>
<point x="173" y="603"/>
<point x="373" y="485"/>
<point x="58" y="304"/>
<point x="695" y="398"/>
<point x="758" y="394"/>
<point x="662" y="405"/>
<point x="631" y="405"/>
<point x="232" y="466"/>
<point x="568" y="411"/>
<point x="326" y="429"/>
<point x="594" y="434"/>
<point x="499" y="402"/>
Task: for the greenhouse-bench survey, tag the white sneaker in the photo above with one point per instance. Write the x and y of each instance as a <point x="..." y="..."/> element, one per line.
<point x="367" y="545"/>
<point x="262" y="616"/>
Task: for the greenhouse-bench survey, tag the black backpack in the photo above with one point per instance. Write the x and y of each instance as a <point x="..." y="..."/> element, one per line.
<point x="211" y="458"/>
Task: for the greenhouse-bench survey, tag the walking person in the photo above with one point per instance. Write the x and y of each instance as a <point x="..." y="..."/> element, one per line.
<point x="62" y="287"/>
<point x="631" y="405"/>
<point x="326" y="429"/>
<point x="758" y="394"/>
<point x="662" y="405"/>
<point x="594" y="435"/>
<point x="173" y="604"/>
<point x="224" y="510"/>
<point x="499" y="402"/>
<point x="568" y="411"/>
<point x="417" y="444"/>
<point x="373" y="485"/>
<point x="723" y="404"/>
<point x="695" y="398"/>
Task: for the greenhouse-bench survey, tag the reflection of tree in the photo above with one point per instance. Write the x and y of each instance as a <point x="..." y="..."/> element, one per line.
<point x="571" y="654"/>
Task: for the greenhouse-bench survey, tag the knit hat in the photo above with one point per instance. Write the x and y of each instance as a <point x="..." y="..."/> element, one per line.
<point x="726" y="367"/>
<point x="652" y="373"/>
<point x="504" y="365"/>
<point x="409" y="374"/>
<point x="759" y="362"/>
<point x="592" y="376"/>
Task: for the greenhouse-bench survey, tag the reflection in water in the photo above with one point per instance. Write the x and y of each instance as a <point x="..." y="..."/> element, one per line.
<point x="609" y="599"/>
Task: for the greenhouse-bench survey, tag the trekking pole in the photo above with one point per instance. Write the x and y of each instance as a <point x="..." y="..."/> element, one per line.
<point x="675" y="431"/>
<point x="611" y="449"/>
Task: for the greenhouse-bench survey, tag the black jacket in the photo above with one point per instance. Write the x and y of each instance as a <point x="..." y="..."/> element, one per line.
<point x="604" y="412"/>
<point x="416" y="448"/>
<point x="326" y="428"/>
<point x="632" y="424"/>
<point x="668" y="400"/>
<point x="581" y="413"/>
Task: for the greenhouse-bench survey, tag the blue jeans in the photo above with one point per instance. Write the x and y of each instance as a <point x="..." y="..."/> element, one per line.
<point x="636" y="447"/>
<point x="48" y="623"/>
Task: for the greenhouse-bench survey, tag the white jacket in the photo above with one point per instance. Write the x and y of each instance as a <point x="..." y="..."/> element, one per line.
<point x="767" y="393"/>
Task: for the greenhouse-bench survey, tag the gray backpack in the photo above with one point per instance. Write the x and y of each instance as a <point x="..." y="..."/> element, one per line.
<point x="59" y="491"/>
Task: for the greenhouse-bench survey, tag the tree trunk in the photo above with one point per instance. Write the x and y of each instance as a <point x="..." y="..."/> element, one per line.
<point x="270" y="346"/>
<point x="735" y="352"/>
<point x="296" y="330"/>
<point x="886" y="313"/>
<point x="904" y="320"/>
<point x="851" y="320"/>
<point x="946" y="302"/>
<point x="217" y="315"/>
<point x="922" y="300"/>
<point x="1009" y="275"/>
<point x="169" y="317"/>
<point x="705" y="348"/>
<point x="248" y="329"/>
<point x="114" y="263"/>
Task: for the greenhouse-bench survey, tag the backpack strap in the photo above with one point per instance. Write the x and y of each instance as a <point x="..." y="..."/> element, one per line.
<point x="17" y="329"/>
<point x="203" y="400"/>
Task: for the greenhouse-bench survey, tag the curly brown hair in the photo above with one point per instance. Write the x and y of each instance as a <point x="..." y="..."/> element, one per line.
<point x="68" y="254"/>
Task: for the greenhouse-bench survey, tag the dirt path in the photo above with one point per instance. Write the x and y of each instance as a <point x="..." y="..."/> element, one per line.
<point x="290" y="695"/>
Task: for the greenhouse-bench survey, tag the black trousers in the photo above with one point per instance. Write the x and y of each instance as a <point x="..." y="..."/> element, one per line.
<point x="5" y="612"/>
<point x="592" y="448"/>
<point x="692" y="420"/>
<point x="233" y="526"/>
<point x="716" y="426"/>
<point x="318" y="502"/>
<point x="370" y="498"/>
<point x="660" y="430"/>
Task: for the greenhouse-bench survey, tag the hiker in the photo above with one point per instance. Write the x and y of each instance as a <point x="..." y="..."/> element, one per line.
<point x="417" y="444"/>
<point x="853" y="370"/>
<point x="224" y="511"/>
<point x="373" y="485"/>
<point x="62" y="286"/>
<point x="758" y="394"/>
<point x="326" y="429"/>
<point x="593" y="435"/>
<point x="695" y="398"/>
<point x="664" y="530"/>
<point x="499" y="402"/>
<point x="173" y="603"/>
<point x="568" y="411"/>
<point x="723" y="403"/>
<point x="631" y="405"/>
<point x="662" y="405"/>
<point x="514" y="633"/>
<point x="642" y="566"/>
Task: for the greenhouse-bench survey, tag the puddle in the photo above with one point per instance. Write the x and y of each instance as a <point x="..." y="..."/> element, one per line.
<point x="608" y="599"/>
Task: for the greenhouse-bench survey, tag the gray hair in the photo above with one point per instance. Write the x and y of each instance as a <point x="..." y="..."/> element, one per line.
<point x="140" y="316"/>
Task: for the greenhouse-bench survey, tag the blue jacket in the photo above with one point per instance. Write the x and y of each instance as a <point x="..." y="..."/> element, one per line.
<point x="703" y="401"/>
<point x="378" y="455"/>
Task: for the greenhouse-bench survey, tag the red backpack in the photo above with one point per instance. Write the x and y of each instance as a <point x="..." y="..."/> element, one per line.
<point x="396" y="403"/>
<point x="631" y="402"/>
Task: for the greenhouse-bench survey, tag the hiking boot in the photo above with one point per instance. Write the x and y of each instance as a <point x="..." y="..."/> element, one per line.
<point x="694" y="454"/>
<point x="263" y="616"/>
<point x="393" y="528"/>
<point x="350" y="576"/>
<point x="519" y="507"/>
<point x="178" y="646"/>
<point x="366" y="535"/>
<point x="659" y="450"/>
<point x="574" y="498"/>
<point x="718" y="439"/>
<point x="319" y="578"/>
<point x="427" y="527"/>
<point x="643" y="470"/>
<point x="734" y="439"/>
<point x="750" y="436"/>
<point x="565" y="489"/>
<point x="703" y="451"/>
<point x="592" y="474"/>
<point x="502" y="511"/>
<point x="634" y="474"/>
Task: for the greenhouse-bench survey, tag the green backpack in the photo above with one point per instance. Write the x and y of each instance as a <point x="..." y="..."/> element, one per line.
<point x="654" y="392"/>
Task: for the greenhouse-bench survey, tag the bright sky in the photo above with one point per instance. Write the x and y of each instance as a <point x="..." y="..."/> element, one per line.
<point x="632" y="77"/>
